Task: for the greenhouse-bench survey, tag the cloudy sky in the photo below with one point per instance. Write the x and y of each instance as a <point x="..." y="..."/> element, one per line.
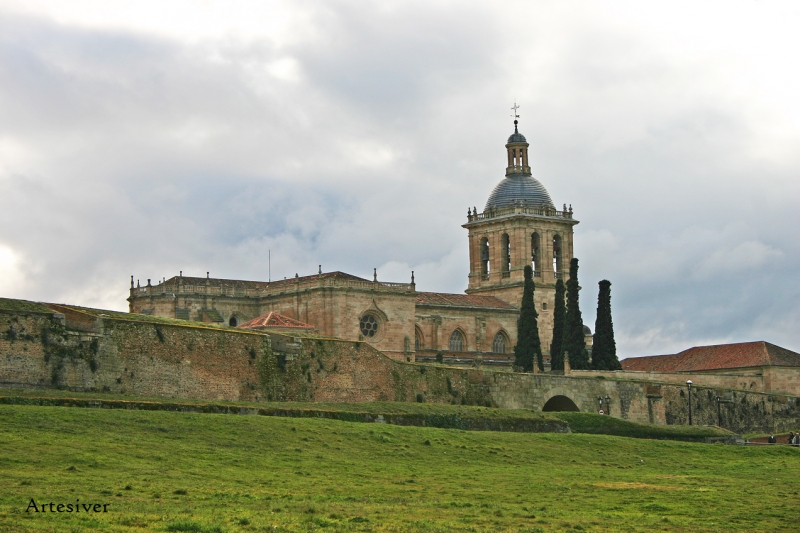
<point x="147" y="137"/>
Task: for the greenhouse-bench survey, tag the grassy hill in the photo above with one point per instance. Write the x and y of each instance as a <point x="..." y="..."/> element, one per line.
<point x="395" y="413"/>
<point x="168" y="471"/>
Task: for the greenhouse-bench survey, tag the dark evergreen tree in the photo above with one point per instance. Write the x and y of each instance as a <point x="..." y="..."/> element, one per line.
<point x="528" y="350"/>
<point x="557" y="346"/>
<point x="574" y="342"/>
<point x="604" y="349"/>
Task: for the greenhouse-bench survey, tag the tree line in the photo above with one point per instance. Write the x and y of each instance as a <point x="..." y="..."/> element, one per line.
<point x="568" y="336"/>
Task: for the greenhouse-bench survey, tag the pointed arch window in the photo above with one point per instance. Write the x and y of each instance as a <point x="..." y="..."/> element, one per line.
<point x="457" y="341"/>
<point x="418" y="342"/>
<point x="500" y="342"/>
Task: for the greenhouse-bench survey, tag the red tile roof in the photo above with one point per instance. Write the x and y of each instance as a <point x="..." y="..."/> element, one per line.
<point x="274" y="320"/>
<point x="719" y="357"/>
<point x="461" y="300"/>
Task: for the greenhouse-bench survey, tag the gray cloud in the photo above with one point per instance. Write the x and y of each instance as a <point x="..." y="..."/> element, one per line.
<point x="361" y="145"/>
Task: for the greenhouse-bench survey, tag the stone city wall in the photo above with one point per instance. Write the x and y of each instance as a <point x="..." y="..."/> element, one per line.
<point x="174" y="360"/>
<point x="775" y="379"/>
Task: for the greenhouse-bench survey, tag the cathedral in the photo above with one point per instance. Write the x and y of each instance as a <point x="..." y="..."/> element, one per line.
<point x="519" y="226"/>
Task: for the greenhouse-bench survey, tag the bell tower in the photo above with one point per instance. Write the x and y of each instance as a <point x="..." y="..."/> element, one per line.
<point x="520" y="226"/>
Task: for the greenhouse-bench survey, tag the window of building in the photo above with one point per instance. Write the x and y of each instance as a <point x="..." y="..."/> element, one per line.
<point x="457" y="341"/>
<point x="505" y="248"/>
<point x="557" y="255"/>
<point x="417" y="341"/>
<point x="484" y="251"/>
<point x="233" y="322"/>
<point x="369" y="326"/>
<point x="535" y="245"/>
<point x="544" y="306"/>
<point x="499" y="343"/>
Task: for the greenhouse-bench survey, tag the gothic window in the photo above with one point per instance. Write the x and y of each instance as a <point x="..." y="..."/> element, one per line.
<point x="418" y="344"/>
<point x="535" y="245"/>
<point x="233" y="322"/>
<point x="505" y="247"/>
<point x="457" y="341"/>
<point x="499" y="343"/>
<point x="369" y="326"/>
<point x="484" y="251"/>
<point x="557" y="255"/>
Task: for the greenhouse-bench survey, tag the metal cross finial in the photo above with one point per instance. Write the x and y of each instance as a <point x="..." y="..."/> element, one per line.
<point x="514" y="109"/>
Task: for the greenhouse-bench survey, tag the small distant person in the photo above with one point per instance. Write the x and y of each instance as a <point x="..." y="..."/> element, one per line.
<point x="797" y="439"/>
<point x="791" y="438"/>
<point x="772" y="439"/>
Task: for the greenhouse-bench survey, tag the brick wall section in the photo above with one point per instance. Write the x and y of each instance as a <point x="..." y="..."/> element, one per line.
<point x="172" y="361"/>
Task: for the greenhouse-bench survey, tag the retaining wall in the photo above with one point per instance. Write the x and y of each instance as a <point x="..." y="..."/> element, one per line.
<point x="85" y="351"/>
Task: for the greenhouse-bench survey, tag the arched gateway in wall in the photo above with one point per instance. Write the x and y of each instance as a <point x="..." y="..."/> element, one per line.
<point x="560" y="403"/>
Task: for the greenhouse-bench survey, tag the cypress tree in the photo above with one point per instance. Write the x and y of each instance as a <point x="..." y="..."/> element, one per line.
<point x="604" y="350"/>
<point x="574" y="343"/>
<point x="529" y="348"/>
<point x="557" y="346"/>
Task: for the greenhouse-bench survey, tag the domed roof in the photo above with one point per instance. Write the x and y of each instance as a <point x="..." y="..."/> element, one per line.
<point x="516" y="189"/>
<point x="516" y="137"/>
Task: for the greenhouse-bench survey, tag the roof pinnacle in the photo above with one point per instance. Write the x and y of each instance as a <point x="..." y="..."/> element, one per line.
<point x="515" y="108"/>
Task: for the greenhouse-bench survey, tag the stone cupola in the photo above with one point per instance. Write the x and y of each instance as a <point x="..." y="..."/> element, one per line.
<point x="517" y="148"/>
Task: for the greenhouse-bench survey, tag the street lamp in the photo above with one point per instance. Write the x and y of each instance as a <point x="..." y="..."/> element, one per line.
<point x="608" y="405"/>
<point x="689" y="384"/>
<point x="600" y="401"/>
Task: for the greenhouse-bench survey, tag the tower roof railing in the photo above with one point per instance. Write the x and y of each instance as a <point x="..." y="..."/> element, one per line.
<point x="541" y="211"/>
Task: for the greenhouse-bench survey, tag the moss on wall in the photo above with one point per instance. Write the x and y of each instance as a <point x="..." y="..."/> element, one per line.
<point x="169" y="359"/>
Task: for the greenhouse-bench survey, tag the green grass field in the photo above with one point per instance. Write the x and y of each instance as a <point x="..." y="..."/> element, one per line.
<point x="165" y="471"/>
<point x="430" y="415"/>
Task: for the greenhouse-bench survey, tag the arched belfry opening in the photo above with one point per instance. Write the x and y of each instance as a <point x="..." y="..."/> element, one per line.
<point x="505" y="250"/>
<point x="560" y="403"/>
<point x="484" y="252"/>
<point x="557" y="255"/>
<point x="536" y="243"/>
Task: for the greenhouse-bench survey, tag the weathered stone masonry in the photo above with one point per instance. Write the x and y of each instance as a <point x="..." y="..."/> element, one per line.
<point x="83" y="350"/>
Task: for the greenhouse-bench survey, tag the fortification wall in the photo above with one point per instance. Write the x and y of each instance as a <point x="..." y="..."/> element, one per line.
<point x="174" y="360"/>
<point x="766" y="379"/>
<point x="721" y="380"/>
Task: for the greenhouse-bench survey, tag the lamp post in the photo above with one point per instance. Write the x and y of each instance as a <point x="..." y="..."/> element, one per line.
<point x="689" y="384"/>
<point x="719" y="412"/>
<point x="608" y="405"/>
<point x="600" y="401"/>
